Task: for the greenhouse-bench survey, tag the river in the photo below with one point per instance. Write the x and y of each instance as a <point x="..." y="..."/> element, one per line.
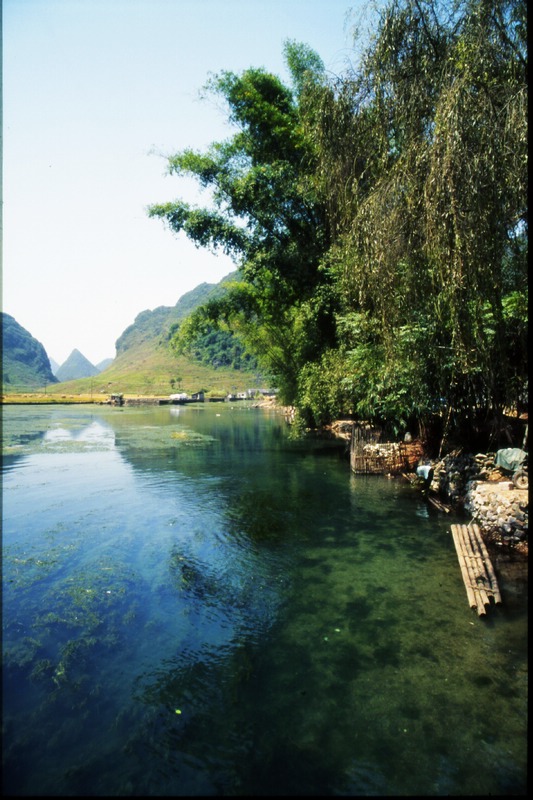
<point x="194" y="604"/>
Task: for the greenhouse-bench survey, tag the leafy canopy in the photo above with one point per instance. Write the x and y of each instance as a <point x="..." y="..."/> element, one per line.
<point x="378" y="220"/>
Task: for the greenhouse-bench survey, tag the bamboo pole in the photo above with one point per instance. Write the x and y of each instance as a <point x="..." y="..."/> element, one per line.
<point x="464" y="571"/>
<point x="476" y="567"/>
<point x="475" y="593"/>
<point x="478" y="564"/>
<point x="438" y="504"/>
<point x="482" y="557"/>
<point x="488" y="564"/>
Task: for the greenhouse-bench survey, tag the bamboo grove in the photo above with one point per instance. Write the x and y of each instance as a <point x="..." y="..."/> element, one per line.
<point x="378" y="219"/>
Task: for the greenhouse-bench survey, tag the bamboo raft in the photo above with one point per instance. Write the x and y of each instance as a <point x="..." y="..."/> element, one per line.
<point x="476" y="568"/>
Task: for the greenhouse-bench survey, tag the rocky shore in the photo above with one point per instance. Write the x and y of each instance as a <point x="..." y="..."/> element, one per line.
<point x="474" y="485"/>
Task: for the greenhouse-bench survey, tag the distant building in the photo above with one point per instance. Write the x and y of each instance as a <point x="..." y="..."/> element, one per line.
<point x="178" y="398"/>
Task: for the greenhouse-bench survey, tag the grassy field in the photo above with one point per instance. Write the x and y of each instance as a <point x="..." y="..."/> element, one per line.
<point x="144" y="372"/>
<point x="34" y="398"/>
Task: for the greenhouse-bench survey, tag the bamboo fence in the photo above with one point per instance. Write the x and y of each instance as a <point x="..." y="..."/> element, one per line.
<point x="369" y="454"/>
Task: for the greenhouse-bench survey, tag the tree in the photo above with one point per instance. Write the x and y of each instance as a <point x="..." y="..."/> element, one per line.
<point x="265" y="215"/>
<point x="378" y="220"/>
<point x="422" y="159"/>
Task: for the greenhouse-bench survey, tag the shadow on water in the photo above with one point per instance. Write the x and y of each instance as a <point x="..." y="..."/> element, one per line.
<point x="194" y="605"/>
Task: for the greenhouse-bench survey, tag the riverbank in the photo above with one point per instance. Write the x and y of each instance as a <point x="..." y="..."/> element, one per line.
<point x="81" y="399"/>
<point x="475" y="486"/>
<point x="472" y="486"/>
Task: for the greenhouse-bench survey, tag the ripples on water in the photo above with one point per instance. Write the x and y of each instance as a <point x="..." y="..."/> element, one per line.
<point x="194" y="605"/>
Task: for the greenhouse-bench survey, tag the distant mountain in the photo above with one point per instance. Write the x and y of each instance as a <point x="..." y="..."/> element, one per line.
<point x="25" y="363"/>
<point x="55" y="366"/>
<point x="76" y="366"/>
<point x="100" y="366"/>
<point x="104" y="364"/>
<point x="144" y="363"/>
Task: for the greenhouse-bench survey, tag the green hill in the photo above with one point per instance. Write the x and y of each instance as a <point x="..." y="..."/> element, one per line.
<point x="25" y="363"/>
<point x="156" y="325"/>
<point x="145" y="365"/>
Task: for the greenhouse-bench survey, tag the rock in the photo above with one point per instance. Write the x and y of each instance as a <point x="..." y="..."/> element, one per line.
<point x="474" y="482"/>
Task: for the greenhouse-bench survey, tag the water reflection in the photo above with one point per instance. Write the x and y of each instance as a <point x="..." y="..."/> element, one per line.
<point x="195" y="605"/>
<point x="97" y="434"/>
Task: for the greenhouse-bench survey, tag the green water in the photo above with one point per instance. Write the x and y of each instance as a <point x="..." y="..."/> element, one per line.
<point x="194" y="604"/>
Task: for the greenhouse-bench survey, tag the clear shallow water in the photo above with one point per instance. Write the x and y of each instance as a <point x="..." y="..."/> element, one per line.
<point x="195" y="605"/>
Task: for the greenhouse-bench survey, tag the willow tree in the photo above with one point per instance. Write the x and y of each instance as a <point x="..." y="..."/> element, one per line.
<point x="475" y="199"/>
<point x="265" y="214"/>
<point x="423" y="164"/>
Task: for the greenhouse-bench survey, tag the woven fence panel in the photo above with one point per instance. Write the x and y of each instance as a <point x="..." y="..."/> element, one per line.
<point x="368" y="454"/>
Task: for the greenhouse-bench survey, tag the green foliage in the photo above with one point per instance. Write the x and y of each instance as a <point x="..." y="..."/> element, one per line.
<point x="305" y="65"/>
<point x="321" y="391"/>
<point x="430" y="225"/>
<point x="204" y="228"/>
<point x="265" y="215"/>
<point x="378" y="219"/>
<point x="220" y="348"/>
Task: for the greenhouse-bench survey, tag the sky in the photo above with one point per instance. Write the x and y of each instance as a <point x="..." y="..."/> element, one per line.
<point x="96" y="94"/>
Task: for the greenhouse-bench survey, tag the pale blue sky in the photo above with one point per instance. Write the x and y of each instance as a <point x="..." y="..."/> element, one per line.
<point x="92" y="90"/>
